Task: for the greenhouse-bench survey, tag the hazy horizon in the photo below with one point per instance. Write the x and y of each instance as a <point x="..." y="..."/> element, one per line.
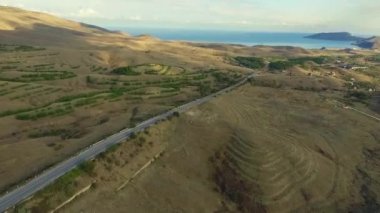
<point x="242" y="15"/>
<point x="179" y="28"/>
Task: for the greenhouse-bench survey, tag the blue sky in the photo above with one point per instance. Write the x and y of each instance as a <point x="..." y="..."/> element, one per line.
<point x="358" y="16"/>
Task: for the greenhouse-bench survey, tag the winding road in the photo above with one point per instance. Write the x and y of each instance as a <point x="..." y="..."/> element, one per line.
<point x="44" y="179"/>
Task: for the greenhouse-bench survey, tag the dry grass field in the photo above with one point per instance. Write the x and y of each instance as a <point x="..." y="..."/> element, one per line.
<point x="58" y="97"/>
<point x="54" y="105"/>
<point x="256" y="149"/>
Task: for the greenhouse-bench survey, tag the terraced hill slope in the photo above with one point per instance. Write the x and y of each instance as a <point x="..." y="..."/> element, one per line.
<point x="257" y="149"/>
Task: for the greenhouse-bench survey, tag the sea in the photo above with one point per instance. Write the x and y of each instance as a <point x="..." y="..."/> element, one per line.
<point x="238" y="37"/>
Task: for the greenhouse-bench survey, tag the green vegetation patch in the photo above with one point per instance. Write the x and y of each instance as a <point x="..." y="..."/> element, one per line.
<point x="45" y="112"/>
<point x="286" y="64"/>
<point x="63" y="188"/>
<point x="41" y="76"/>
<point x="205" y="89"/>
<point x="125" y="71"/>
<point x="65" y="184"/>
<point x="63" y="133"/>
<point x="87" y="167"/>
<point x="358" y="96"/>
<point x="374" y="58"/>
<point x="280" y="65"/>
<point x="225" y="78"/>
<point x="48" y="76"/>
<point x="303" y="60"/>
<point x="251" y="62"/>
<point x="13" y="112"/>
<point x="18" y="48"/>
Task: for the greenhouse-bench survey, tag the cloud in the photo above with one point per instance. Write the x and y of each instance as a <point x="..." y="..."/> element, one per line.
<point x="86" y="13"/>
<point x="135" y="18"/>
<point x="280" y="15"/>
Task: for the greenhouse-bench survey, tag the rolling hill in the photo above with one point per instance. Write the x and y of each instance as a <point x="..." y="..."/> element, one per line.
<point x="61" y="88"/>
<point x="370" y="43"/>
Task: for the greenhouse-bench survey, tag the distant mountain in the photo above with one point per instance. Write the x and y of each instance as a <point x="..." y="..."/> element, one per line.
<point x="335" y="36"/>
<point x="370" y="43"/>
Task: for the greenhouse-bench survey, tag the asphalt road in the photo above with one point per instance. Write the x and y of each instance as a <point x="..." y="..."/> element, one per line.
<point x="39" y="182"/>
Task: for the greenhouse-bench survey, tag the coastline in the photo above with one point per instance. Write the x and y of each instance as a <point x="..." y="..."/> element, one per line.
<point x="245" y="38"/>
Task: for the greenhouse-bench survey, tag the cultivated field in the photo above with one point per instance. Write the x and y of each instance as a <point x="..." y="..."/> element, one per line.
<point x="53" y="107"/>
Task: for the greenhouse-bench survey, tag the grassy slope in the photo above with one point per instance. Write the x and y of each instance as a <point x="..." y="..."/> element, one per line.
<point x="307" y="158"/>
<point x="56" y="83"/>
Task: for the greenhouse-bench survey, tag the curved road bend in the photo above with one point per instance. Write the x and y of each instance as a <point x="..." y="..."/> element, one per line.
<point x="39" y="182"/>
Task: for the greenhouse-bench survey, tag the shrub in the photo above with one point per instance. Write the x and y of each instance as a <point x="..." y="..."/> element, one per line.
<point x="87" y="167"/>
<point x="125" y="71"/>
<point x="34" y="115"/>
<point x="89" y="80"/>
<point x="204" y="89"/>
<point x="361" y="96"/>
<point x="176" y="114"/>
<point x="133" y="136"/>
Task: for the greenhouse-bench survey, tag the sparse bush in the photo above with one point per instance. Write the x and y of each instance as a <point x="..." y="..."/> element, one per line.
<point x="146" y="131"/>
<point x="204" y="89"/>
<point x="133" y="136"/>
<point x="90" y="80"/>
<point x="42" y="113"/>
